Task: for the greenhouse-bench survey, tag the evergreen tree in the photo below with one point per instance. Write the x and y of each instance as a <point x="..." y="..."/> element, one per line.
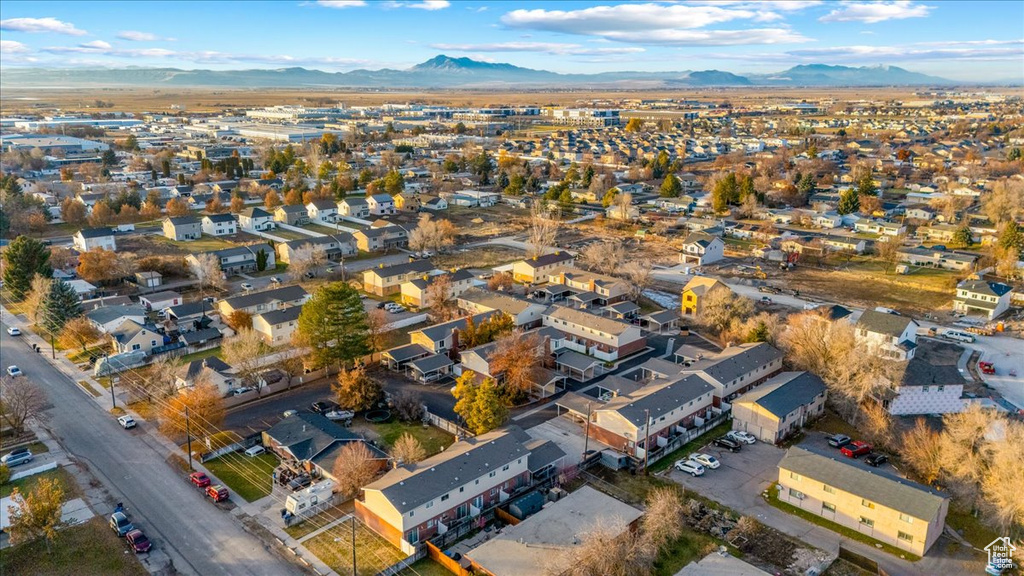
<point x="59" y="306"/>
<point x="747" y="188"/>
<point x="849" y="201"/>
<point x="726" y="192"/>
<point x="261" y="259"/>
<point x="806" y="186"/>
<point x="24" y="258"/>
<point x="866" y="185"/>
<point x="333" y="324"/>
<point x="671" y="187"/>
<point x="963" y="238"/>
<point x="1012" y="237"/>
<point x="109" y="157"/>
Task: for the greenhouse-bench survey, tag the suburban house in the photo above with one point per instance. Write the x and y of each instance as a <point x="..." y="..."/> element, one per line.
<point x="388" y="280"/>
<point x="697" y="288"/>
<point x="354" y="207"/>
<point x="294" y="215"/>
<point x="256" y="219"/>
<point x="440" y="338"/>
<point x="406" y="202"/>
<point x="380" y="204"/>
<point x="277" y="326"/>
<point x="433" y="203"/>
<point x="212" y="369"/>
<point x="149" y="279"/>
<point x="220" y="225"/>
<point x="107" y="318"/>
<point x="160" y="300"/>
<point x="241" y="259"/>
<point x="131" y="335"/>
<point x="91" y="238"/>
<point x="336" y="246"/>
<point x="265" y="301"/>
<point x="543" y="543"/>
<point x="887" y="335"/>
<point x="603" y="338"/>
<point x="700" y="249"/>
<point x="525" y="313"/>
<point x="931" y="382"/>
<point x="780" y="407"/>
<point x="844" y="244"/>
<point x="990" y="299"/>
<point x="937" y="232"/>
<point x="414" y="292"/>
<point x="537" y="269"/>
<point x="937" y="257"/>
<point x="606" y="289"/>
<point x="322" y="210"/>
<point x="183" y="229"/>
<point x="381" y="239"/>
<point x="418" y="500"/>
<point x="312" y="442"/>
<point x="879" y="227"/>
<point x="874" y="502"/>
<point x="736" y="369"/>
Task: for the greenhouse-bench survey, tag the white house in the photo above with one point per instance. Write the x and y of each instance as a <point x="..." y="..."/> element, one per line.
<point x="220" y="225"/>
<point x="256" y="219"/>
<point x="92" y="238"/>
<point x="700" y="249"/>
<point x="990" y="299"/>
<point x="322" y="210"/>
<point x="887" y="335"/>
<point x="380" y="204"/>
<point x="354" y="207"/>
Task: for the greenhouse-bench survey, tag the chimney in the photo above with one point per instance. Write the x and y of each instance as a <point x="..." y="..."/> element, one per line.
<point x="669" y="347"/>
<point x="455" y="338"/>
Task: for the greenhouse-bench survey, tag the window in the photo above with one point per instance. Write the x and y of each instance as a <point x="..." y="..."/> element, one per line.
<point x="462" y="489"/>
<point x="828" y="489"/>
<point x="906" y="518"/>
<point x="443" y="498"/>
<point x="794" y="476"/>
<point x="826" y="507"/>
<point x="904" y="536"/>
<point x="504" y="468"/>
<point x="429" y="504"/>
<point x="796" y="494"/>
<point x="867" y="504"/>
<point x="430" y="523"/>
<point x="491" y="475"/>
<point x="867" y="522"/>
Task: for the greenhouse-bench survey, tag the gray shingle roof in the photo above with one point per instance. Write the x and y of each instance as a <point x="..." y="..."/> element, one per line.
<point x="736" y="361"/>
<point x="199" y="336"/>
<point x="658" y="398"/>
<point x="282" y="294"/>
<point x="439" y="332"/>
<point x="883" y="323"/>
<point x="193" y="368"/>
<point x="431" y="363"/>
<point x="496" y="300"/>
<point x="985" y="287"/>
<point x="875" y="485"/>
<point x="785" y="393"/>
<point x="548" y="259"/>
<point x="422" y="266"/>
<point x="306" y="434"/>
<point x="95" y="232"/>
<point x="289" y="314"/>
<point x="105" y="314"/>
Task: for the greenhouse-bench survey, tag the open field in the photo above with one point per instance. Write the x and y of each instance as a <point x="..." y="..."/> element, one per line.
<point x="334" y="548"/>
<point x="433" y="440"/>
<point x="248" y="477"/>
<point x="25" y="485"/>
<point x="89" y="549"/>
<point x="480" y="257"/>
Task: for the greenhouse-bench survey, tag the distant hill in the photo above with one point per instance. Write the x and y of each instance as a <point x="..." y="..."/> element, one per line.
<point x="449" y="72"/>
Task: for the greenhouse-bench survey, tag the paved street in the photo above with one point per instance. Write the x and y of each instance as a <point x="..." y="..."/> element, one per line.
<point x="199" y="538"/>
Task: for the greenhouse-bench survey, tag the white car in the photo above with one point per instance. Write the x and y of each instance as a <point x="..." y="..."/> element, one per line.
<point x="246" y="286"/>
<point x="741" y="436"/>
<point x="14" y="371"/>
<point x="705" y="460"/>
<point x="126" y="422"/>
<point x="690" y="467"/>
<point x="255" y="451"/>
<point x="14" y="331"/>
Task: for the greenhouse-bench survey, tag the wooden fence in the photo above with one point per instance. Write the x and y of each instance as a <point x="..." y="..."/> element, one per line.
<point x="450" y="564"/>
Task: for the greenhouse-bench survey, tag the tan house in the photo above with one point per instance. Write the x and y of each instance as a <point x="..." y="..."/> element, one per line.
<point x="525" y="313"/>
<point x="414" y="292"/>
<point x="608" y="289"/>
<point x="697" y="288"/>
<point x="780" y="407"/>
<point x="265" y="301"/>
<point x="388" y="280"/>
<point x="536" y="269"/>
<point x="878" y="504"/>
<point x="277" y="326"/>
<point x="605" y="339"/>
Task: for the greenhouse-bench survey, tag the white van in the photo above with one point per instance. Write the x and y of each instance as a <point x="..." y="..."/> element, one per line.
<point x="959" y="336"/>
<point x="255" y="451"/>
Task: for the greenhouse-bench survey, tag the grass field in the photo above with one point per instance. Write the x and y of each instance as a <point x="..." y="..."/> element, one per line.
<point x="480" y="257"/>
<point x="433" y="439"/>
<point x="204" y="244"/>
<point x="334" y="548"/>
<point x="25" y="485"/>
<point x="249" y="478"/>
<point x="89" y="549"/>
<point x="201" y="354"/>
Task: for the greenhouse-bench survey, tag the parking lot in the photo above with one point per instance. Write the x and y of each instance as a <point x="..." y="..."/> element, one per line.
<point x="741" y="478"/>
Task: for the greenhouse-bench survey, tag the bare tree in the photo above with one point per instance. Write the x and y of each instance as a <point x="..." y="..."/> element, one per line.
<point x="430" y="234"/>
<point x="517" y="358"/>
<point x="604" y="257"/>
<point x="500" y="282"/>
<point x="888" y="250"/>
<point x="663" y="520"/>
<point x="206" y="269"/>
<point x="408" y="449"/>
<point x="541" y="234"/>
<point x="20" y="400"/>
<point x="439" y="295"/>
<point x="160" y="380"/>
<point x="354" y="468"/>
<point x="922" y="451"/>
<point x="244" y="352"/>
<point x="965" y="442"/>
<point x="407" y="406"/>
<point x="640" y="275"/>
<point x="376" y="328"/>
<point x="36" y="298"/>
<point x="1003" y="483"/>
<point x="718" y="308"/>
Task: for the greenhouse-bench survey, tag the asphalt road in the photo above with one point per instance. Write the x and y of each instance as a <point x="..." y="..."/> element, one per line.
<point x="200" y="538"/>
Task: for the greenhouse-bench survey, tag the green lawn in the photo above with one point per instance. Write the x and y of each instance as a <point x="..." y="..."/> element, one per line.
<point x="25" y="485"/>
<point x="334" y="548"/>
<point x="666" y="461"/>
<point x="971" y="528"/>
<point x="249" y="478"/>
<point x="201" y="354"/>
<point x="290" y="234"/>
<point x="89" y="549"/>
<point x="204" y="244"/>
<point x="773" y="499"/>
<point x="433" y="439"/>
<point x="425" y="567"/>
<point x="690" y="546"/>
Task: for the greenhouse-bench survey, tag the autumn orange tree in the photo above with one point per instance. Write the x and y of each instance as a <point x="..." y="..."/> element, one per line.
<point x="37" y="514"/>
<point x="354" y="468"/>
<point x="176" y="207"/>
<point x="204" y="405"/>
<point x="517" y="358"/>
<point x="78" y="332"/>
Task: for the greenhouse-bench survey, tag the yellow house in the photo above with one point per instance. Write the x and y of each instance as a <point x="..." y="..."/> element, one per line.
<point x="407" y="202"/>
<point x="872" y="501"/>
<point x="697" y="288"/>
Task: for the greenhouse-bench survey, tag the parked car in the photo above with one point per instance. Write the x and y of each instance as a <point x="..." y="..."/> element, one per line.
<point x="340" y="415"/>
<point x="309" y="275"/>
<point x="381" y="305"/>
<point x="14" y="331"/>
<point x="275" y="280"/>
<point x="16" y="457"/>
<point x="766" y="300"/>
<point x="242" y="390"/>
<point x="742" y="437"/>
<point x="855" y="449"/>
<point x="987" y="367"/>
<point x="876" y="459"/>
<point x="217" y="493"/>
<point x="255" y="451"/>
<point x="324" y="406"/>
<point x="13" y="371"/>
<point x="246" y="286"/>
<point x="705" y="460"/>
<point x="838" y="440"/>
<point x="200" y="479"/>
<point x="727" y="443"/>
<point x="120" y="523"/>
<point x="690" y="467"/>
<point x="300" y="482"/>
<point x="288" y="413"/>
<point x="138" y="542"/>
<point x="126" y="422"/>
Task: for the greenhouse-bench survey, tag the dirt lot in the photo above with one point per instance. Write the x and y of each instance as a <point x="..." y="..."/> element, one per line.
<point x="480" y="257"/>
<point x="498" y="220"/>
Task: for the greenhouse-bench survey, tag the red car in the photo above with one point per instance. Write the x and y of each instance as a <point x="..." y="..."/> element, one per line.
<point x="200" y="479"/>
<point x="856" y="448"/>
<point x="217" y="493"/>
<point x="138" y="542"/>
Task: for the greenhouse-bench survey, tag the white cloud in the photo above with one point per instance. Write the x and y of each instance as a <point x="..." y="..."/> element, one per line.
<point x="341" y="3"/>
<point x="12" y="47"/>
<point x="97" y="44"/>
<point x="40" y="25"/>
<point x="964" y="51"/>
<point x="422" y="5"/>
<point x="780" y="5"/>
<point x="136" y="36"/>
<point x="545" y="47"/>
<point x="657" y="24"/>
<point x="207" y="57"/>
<point x="874" y="12"/>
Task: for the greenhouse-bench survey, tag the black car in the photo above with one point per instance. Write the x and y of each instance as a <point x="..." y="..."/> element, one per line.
<point x="876" y="460"/>
<point x="727" y="443"/>
<point x="838" y="440"/>
<point x="300" y="482"/>
<point x="324" y="406"/>
<point x="381" y="305"/>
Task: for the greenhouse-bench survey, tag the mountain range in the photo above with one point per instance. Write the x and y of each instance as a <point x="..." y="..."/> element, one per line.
<point x="448" y="72"/>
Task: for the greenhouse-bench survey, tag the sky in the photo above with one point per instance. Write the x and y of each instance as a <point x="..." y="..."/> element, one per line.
<point x="960" y="40"/>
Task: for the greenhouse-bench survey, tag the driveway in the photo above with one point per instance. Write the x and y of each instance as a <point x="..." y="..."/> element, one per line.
<point x="741" y="478"/>
<point x="1005" y="353"/>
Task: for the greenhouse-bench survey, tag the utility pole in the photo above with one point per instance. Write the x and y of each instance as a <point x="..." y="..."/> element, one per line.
<point x="53" y="349"/>
<point x="586" y="436"/>
<point x="188" y="436"/>
<point x="647" y="438"/>
<point x="113" y="400"/>
<point x="354" y="573"/>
